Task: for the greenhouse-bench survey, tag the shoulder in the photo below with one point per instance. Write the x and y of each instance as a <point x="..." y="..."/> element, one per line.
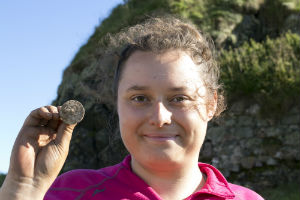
<point x="81" y="177"/>
<point x="244" y="193"/>
<point x="78" y="178"/>
<point x="217" y="184"/>
<point x="77" y="182"/>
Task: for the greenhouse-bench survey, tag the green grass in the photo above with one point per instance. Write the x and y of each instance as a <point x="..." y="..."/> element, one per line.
<point x="266" y="71"/>
<point x="286" y="191"/>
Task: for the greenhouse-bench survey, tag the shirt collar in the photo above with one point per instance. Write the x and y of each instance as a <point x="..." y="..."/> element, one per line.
<point x="215" y="183"/>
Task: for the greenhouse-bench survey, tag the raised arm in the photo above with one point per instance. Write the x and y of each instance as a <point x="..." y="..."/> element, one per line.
<point x="38" y="155"/>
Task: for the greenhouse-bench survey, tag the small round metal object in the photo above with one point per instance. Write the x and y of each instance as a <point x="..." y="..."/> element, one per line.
<point x="72" y="112"/>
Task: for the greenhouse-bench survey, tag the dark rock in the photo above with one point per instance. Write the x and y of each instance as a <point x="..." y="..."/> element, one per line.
<point x="293" y="23"/>
<point x="253" y="110"/>
<point x="271" y="162"/>
<point x="246" y="132"/>
<point x="248" y="162"/>
<point x="291" y="119"/>
<point x="272" y="131"/>
<point x="207" y="150"/>
<point x="245" y="121"/>
<point x="238" y="107"/>
<point x="292" y="138"/>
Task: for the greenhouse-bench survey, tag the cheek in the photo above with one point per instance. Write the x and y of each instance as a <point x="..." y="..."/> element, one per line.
<point x="130" y="122"/>
<point x="195" y="131"/>
<point x="127" y="127"/>
<point x="129" y="118"/>
<point x="190" y="120"/>
<point x="191" y="114"/>
<point x="194" y="126"/>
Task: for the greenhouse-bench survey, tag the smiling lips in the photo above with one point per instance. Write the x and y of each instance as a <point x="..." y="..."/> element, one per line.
<point x="160" y="137"/>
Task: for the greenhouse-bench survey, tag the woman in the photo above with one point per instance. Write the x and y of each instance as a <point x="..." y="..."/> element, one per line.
<point x="167" y="90"/>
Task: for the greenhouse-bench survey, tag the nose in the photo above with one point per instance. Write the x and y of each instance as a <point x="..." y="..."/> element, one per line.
<point x="160" y="115"/>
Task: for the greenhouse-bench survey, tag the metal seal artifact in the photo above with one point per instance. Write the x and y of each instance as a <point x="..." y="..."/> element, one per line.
<point x="71" y="112"/>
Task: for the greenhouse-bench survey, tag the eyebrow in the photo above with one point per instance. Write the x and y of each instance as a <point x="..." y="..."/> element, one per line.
<point x="178" y="89"/>
<point x="137" y="88"/>
<point x="143" y="88"/>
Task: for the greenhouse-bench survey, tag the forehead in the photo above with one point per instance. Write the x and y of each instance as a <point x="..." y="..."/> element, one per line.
<point x="171" y="67"/>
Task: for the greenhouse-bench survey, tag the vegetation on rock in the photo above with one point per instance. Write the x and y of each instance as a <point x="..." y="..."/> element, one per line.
<point x="259" y="56"/>
<point x="266" y="71"/>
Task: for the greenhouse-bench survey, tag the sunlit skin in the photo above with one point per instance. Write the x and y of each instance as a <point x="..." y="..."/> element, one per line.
<point x="163" y="118"/>
<point x="38" y="155"/>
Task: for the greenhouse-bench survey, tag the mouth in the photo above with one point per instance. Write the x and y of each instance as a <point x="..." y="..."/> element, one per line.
<point x="160" y="137"/>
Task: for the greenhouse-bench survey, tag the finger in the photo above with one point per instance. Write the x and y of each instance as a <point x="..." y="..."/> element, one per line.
<point x="55" y="117"/>
<point x="34" y="132"/>
<point x="45" y="139"/>
<point x="58" y="108"/>
<point x="36" y="115"/>
<point x="64" y="135"/>
<point x="53" y="124"/>
<point x="43" y="122"/>
<point x="54" y="111"/>
<point x="42" y="113"/>
<point x="29" y="138"/>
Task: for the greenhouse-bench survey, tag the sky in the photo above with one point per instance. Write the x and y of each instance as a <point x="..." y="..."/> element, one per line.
<point x="38" y="40"/>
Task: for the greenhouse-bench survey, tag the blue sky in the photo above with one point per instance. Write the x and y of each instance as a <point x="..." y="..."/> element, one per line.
<point x="38" y="40"/>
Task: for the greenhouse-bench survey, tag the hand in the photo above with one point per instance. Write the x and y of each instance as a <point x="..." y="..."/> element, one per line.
<point x="38" y="155"/>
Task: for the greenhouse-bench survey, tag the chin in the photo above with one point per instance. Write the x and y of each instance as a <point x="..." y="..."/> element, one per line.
<point x="159" y="158"/>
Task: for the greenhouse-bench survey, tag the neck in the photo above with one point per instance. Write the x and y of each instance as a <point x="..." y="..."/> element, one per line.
<point x="175" y="182"/>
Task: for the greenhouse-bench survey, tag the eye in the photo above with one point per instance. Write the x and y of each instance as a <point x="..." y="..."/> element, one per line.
<point x="139" y="99"/>
<point x="179" y="99"/>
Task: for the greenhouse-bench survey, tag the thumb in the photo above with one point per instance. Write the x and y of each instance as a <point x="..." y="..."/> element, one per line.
<point x="64" y="135"/>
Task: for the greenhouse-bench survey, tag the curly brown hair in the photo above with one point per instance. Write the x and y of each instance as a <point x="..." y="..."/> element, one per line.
<point x="160" y="34"/>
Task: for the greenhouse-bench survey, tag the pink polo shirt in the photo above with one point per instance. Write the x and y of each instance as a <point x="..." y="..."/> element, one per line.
<point x="119" y="182"/>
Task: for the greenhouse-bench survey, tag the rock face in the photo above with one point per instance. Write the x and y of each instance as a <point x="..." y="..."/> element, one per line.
<point x="254" y="151"/>
<point x="250" y="150"/>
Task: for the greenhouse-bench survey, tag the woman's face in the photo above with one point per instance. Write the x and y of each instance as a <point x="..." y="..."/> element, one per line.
<point x="162" y="108"/>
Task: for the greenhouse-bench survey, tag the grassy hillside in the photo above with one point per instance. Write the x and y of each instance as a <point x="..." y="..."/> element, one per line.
<point x="266" y="71"/>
